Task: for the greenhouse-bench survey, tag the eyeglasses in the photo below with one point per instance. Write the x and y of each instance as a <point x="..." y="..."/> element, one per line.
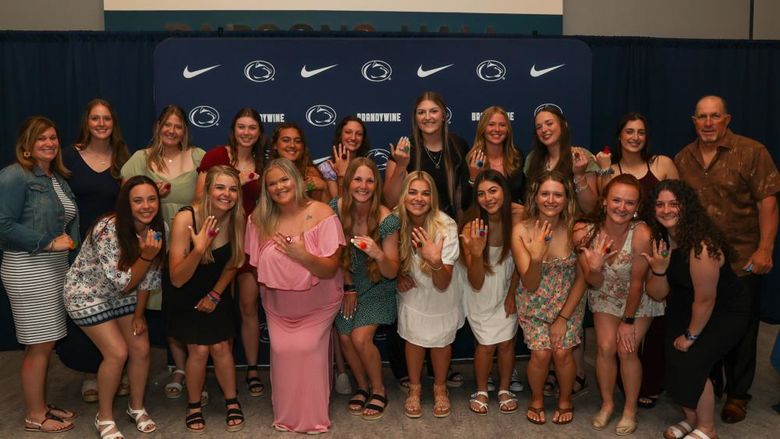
<point x="715" y="117"/>
<point x="547" y="106"/>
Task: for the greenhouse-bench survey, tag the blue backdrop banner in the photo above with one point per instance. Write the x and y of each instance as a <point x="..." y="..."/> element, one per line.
<point x="316" y="82"/>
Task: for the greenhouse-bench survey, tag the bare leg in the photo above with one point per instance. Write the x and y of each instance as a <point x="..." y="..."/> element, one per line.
<point x="250" y="321"/>
<point x="606" y="363"/>
<point x="353" y="359"/>
<point x="483" y="363"/>
<point x="362" y="339"/>
<point x="705" y="410"/>
<point x="506" y="363"/>
<point x="565" y="371"/>
<point x="225" y="370"/>
<point x="631" y="369"/>
<point x="195" y="368"/>
<point x="538" y="366"/>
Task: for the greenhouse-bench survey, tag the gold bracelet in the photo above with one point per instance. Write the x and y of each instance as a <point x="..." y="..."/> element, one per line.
<point x="436" y="269"/>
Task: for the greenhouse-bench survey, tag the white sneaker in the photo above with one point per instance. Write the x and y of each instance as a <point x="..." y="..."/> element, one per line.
<point x="516" y="385"/>
<point x="343" y="385"/>
<point x="491" y="386"/>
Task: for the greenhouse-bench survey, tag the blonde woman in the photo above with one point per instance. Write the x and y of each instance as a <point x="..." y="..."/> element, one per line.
<point x="206" y="250"/>
<point x="429" y="304"/>
<point x="549" y="302"/>
<point x="296" y="245"/>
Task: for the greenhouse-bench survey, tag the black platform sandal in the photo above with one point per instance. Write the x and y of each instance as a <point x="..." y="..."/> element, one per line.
<point x="195" y="418"/>
<point x="254" y="384"/>
<point x="233" y="414"/>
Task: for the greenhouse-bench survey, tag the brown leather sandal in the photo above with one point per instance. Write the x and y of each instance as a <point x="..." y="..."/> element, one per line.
<point x="441" y="401"/>
<point x="412" y="407"/>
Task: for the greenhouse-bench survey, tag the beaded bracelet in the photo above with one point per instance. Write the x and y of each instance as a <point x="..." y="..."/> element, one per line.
<point x="214" y="297"/>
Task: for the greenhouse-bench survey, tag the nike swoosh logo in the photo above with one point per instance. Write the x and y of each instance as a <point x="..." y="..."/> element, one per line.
<point x="537" y="73"/>
<point x="309" y="73"/>
<point x="422" y="73"/>
<point x="187" y="73"/>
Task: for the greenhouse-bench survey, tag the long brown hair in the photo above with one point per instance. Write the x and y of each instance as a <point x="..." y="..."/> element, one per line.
<point x="538" y="158"/>
<point x="374" y="215"/>
<point x="258" y="152"/>
<point x="451" y="155"/>
<point x="476" y="211"/>
<point x="569" y="213"/>
<point x="31" y="129"/>
<point x="116" y="142"/>
<point x="129" y="249"/>
<point x="304" y="161"/>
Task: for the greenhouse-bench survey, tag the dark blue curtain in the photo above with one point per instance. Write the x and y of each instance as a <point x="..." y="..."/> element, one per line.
<point x="56" y="73"/>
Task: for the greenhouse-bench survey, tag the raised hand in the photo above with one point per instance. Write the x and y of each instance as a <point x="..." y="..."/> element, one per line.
<point x="429" y="249"/>
<point x="205" y="236"/>
<point x="368" y="245"/>
<point x="164" y="188"/>
<point x="475" y="237"/>
<point x="659" y="260"/>
<point x="150" y="244"/>
<point x="341" y="156"/>
<point x="400" y="151"/>
<point x="538" y="240"/>
<point x="476" y="164"/>
<point x="602" y="250"/>
<point x="579" y="160"/>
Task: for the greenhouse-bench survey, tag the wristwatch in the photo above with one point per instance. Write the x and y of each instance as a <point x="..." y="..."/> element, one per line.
<point x="628" y="320"/>
<point x="689" y="336"/>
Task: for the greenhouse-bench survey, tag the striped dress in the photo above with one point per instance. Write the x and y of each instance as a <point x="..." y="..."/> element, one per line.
<point x="34" y="285"/>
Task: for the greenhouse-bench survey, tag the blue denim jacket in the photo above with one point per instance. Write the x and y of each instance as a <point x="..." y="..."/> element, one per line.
<point x="31" y="215"/>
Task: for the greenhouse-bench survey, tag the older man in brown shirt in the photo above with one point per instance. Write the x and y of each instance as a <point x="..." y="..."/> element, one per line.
<point x="737" y="182"/>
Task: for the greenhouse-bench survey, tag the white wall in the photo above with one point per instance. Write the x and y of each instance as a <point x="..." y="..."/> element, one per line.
<point x="51" y="15"/>
<point x="710" y="19"/>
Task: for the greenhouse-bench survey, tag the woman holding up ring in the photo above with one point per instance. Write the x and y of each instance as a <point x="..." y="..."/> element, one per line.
<point x="106" y="290"/>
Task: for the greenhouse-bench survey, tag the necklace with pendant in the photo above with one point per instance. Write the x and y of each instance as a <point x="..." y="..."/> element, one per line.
<point x="436" y="161"/>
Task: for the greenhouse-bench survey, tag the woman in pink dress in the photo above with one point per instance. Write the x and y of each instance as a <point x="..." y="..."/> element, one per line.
<point x="296" y="245"/>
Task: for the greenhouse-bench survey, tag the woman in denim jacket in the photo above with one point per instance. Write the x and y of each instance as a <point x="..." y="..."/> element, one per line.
<point x="38" y="219"/>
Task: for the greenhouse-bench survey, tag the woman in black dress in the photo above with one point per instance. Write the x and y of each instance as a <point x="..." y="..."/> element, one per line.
<point x="706" y="313"/>
<point x="206" y="250"/>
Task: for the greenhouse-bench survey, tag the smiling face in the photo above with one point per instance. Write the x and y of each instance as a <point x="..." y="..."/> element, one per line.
<point x="490" y="196"/>
<point x="429" y="117"/>
<point x="633" y="136"/>
<point x="667" y="210"/>
<point x="280" y="186"/>
<point x="352" y="135"/>
<point x="223" y="192"/>
<point x="45" y="148"/>
<point x="289" y="145"/>
<point x="621" y="203"/>
<point x="246" y="132"/>
<point x="551" y="198"/>
<point x="496" y="129"/>
<point x="100" y="122"/>
<point x="172" y="131"/>
<point x="548" y="128"/>
<point x="711" y="120"/>
<point x="144" y="205"/>
<point x="418" y="198"/>
<point x="363" y="185"/>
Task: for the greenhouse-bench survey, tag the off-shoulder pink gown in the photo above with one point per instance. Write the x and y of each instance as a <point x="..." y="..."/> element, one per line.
<point x="300" y="309"/>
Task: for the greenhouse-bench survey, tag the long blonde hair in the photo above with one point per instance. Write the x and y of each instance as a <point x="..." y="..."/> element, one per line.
<point x="374" y="215"/>
<point x="154" y="155"/>
<point x="433" y="223"/>
<point x="513" y="159"/>
<point x="237" y="219"/>
<point x="266" y="214"/>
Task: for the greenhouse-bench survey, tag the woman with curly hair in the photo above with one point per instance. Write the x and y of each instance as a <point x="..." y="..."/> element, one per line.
<point x="370" y="266"/>
<point x="611" y="242"/>
<point x="549" y="302"/>
<point x="706" y="313"/>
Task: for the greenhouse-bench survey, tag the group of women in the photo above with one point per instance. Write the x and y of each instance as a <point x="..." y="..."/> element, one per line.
<point x="454" y="233"/>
